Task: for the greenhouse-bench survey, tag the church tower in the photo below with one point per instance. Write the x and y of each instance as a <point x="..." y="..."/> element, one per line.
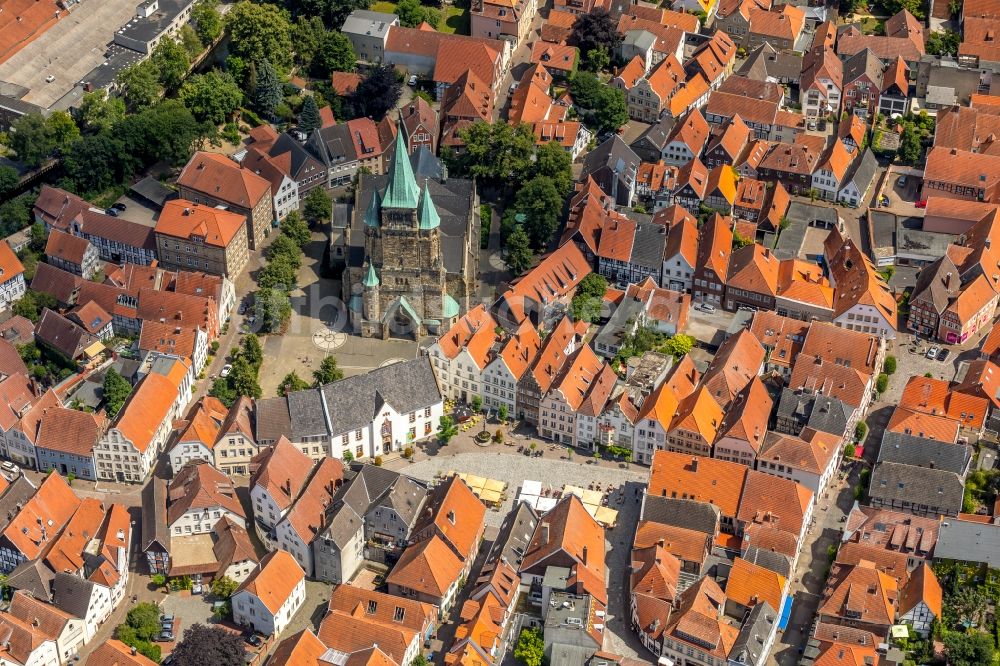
<point x="406" y="273"/>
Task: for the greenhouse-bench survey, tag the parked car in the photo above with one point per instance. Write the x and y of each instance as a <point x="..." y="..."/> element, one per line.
<point x="901" y="181"/>
<point x="113" y="212"/>
<point x="943" y="354"/>
<point x="119" y="206"/>
<point x="932" y="353"/>
<point x="252" y="639"/>
<point x="196" y="588"/>
<point x="166" y="636"/>
<point x="50" y="78"/>
<point x="412" y="82"/>
<point x="226" y="369"/>
<point x="167" y="620"/>
<point x="8" y="466"/>
<point x="706" y="307"/>
<point x="242" y="309"/>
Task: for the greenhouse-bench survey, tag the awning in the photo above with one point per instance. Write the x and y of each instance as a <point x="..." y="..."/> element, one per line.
<point x="786" y="613"/>
<point x="491" y="496"/>
<point x="494" y="485"/>
<point x="94" y="350"/>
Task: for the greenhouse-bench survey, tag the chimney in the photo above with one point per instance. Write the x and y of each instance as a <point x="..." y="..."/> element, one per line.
<point x="694" y="464"/>
<point x="947" y="280"/>
<point x="584" y="556"/>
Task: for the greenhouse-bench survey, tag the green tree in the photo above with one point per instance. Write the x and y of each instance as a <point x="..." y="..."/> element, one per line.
<point x="95" y="163"/>
<point x="497" y="152"/>
<point x="224" y="587"/>
<point x="589" y="298"/>
<point x="518" y="255"/>
<point x="283" y="248"/>
<point x="327" y="372"/>
<point x="970" y="649"/>
<point x="740" y="241"/>
<point x="191" y="42"/>
<point x="213" y="97"/>
<point x="419" y="660"/>
<point x="446" y="429"/>
<point x="410" y="13"/>
<point x="9" y="179"/>
<point x="99" y="112"/>
<point x="243" y="379"/>
<point x="62" y="128"/>
<point x="850" y="450"/>
<point x="915" y="7"/>
<point x="252" y="351"/>
<point x="31" y="304"/>
<point x="909" y="145"/>
<point x="296" y="228"/>
<point x="260" y="32"/>
<point x="530" y="648"/>
<point x="889" y="365"/>
<point x="291" y="383"/>
<point x="31" y="139"/>
<point x="613" y="111"/>
<point x="140" y="85"/>
<point x="307" y="34"/>
<point x="207" y="20"/>
<point x="222" y="390"/>
<point x="335" y="53"/>
<point x="273" y="308"/>
<point x="597" y="59"/>
<point x="267" y="89"/>
<point x="882" y="382"/>
<point x="553" y="162"/>
<point x="541" y="204"/>
<point x="860" y="431"/>
<point x="317" y="206"/>
<point x="502" y="412"/>
<point x="172" y="62"/>
<point x="144" y="619"/>
<point x="116" y="391"/>
<point x="309" y="118"/>
<point x="943" y="43"/>
<point x="280" y="272"/>
<point x="678" y="345"/>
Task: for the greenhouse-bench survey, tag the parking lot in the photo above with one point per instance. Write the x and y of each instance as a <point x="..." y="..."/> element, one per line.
<point x="67" y="51"/>
<point x="903" y="198"/>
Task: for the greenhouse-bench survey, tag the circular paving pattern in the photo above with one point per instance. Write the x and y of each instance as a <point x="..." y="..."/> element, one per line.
<point x="390" y="361"/>
<point x="328" y="340"/>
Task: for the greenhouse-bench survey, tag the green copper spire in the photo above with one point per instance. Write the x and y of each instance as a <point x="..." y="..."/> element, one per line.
<point x="371" y="215"/>
<point x="403" y="191"/>
<point x="371" y="280"/>
<point x="428" y="215"/>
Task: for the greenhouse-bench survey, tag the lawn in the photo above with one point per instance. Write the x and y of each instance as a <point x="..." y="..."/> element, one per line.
<point x="454" y="19"/>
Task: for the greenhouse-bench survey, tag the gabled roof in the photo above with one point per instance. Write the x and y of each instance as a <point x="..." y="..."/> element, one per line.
<point x="42" y="517"/>
<point x="750" y="584"/>
<point x="754" y="268"/>
<point x="703" y="479"/>
<point x="301" y="649"/>
<point x="862" y="593"/>
<point x="429" y="567"/>
<point x="219" y="177"/>
<point x="747" y="417"/>
<point x="147" y="407"/>
<point x="69" y="431"/>
<point x="199" y="486"/>
<point x="279" y="470"/>
<point x="567" y="535"/>
<point x="199" y="223"/>
<point x="780" y="22"/>
<point x="273" y="580"/>
<point x="811" y="451"/>
<point x="65" y="246"/>
<point x="474" y="333"/>
<point x="456" y="514"/>
<point x="715" y="246"/>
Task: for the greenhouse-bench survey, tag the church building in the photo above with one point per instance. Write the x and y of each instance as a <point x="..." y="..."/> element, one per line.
<point x="412" y="255"/>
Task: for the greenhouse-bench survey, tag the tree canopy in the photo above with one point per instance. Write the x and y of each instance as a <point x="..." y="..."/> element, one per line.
<point x="267" y="89"/>
<point x="519" y="255"/>
<point x="327" y="372"/>
<point x="172" y="62"/>
<point x="99" y="111"/>
<point x="273" y="309"/>
<point x="541" y="204"/>
<point x="209" y="646"/>
<point x="213" y="96"/>
<point x="291" y="383"/>
<point x="604" y="107"/>
<point x="589" y="298"/>
<point x="596" y="30"/>
<point x="334" y="53"/>
<point x="260" y="32"/>
<point x="207" y="20"/>
<point x="530" y="648"/>
<point x="140" y="85"/>
<point x="35" y="138"/>
<point x="971" y="649"/>
<point x="295" y="228"/>
<point x="553" y="162"/>
<point x="116" y="391"/>
<point x="496" y="152"/>
<point x="377" y="94"/>
<point x="309" y="118"/>
<point x="317" y="207"/>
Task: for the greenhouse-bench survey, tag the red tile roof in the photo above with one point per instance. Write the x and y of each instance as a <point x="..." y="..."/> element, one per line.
<point x="274" y="580"/>
<point x="219" y="177"/>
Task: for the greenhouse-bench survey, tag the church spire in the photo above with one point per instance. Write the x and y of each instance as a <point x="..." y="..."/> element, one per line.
<point x="428" y="215"/>
<point x="370" y="280"/>
<point x="403" y="191"/>
<point x="371" y="214"/>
